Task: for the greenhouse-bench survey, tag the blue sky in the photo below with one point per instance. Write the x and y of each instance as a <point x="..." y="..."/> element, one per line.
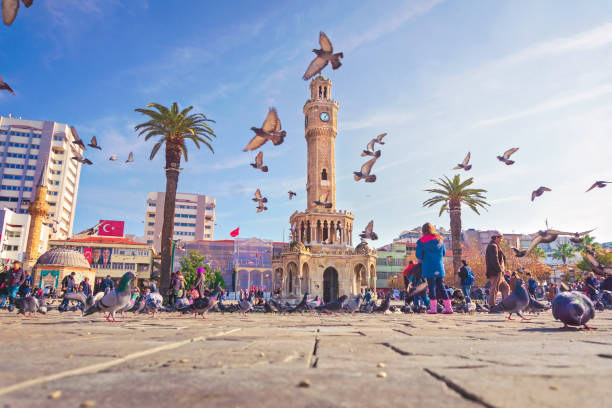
<point x="441" y="77"/>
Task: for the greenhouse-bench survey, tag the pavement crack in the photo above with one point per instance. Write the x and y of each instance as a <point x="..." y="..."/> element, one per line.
<point x="360" y="333"/>
<point x="403" y="332"/>
<point x="397" y="350"/>
<point x="314" y="359"/>
<point x="605" y="355"/>
<point x="465" y="394"/>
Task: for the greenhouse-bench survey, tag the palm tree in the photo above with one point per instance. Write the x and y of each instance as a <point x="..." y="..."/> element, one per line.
<point x="451" y="194"/>
<point x="563" y="252"/>
<point x="174" y="128"/>
<point x="587" y="240"/>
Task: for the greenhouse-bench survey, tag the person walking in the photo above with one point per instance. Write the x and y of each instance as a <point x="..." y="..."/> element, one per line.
<point x="532" y="285"/>
<point x="107" y="284"/>
<point x="430" y="251"/>
<point x="407" y="275"/>
<point x="467" y="280"/>
<point x="200" y="284"/>
<point x="67" y="287"/>
<point x="496" y="266"/>
<point x="16" y="279"/>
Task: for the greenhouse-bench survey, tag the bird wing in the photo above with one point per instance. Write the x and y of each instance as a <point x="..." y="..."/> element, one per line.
<point x="326" y="45"/>
<point x="370" y="227"/>
<point x="467" y="159"/>
<point x="543" y="189"/>
<point x="259" y="159"/>
<point x="255" y="143"/>
<point x="315" y="67"/>
<point x="130" y="158"/>
<point x="94" y="141"/>
<point x="272" y="122"/>
<point x="533" y="244"/>
<point x="258" y="194"/>
<point x="593" y="186"/>
<point x="510" y="152"/>
<point x="367" y="166"/>
<point x="324" y="197"/>
<point x="370" y="146"/>
<point x="380" y="137"/>
<point x="9" y="11"/>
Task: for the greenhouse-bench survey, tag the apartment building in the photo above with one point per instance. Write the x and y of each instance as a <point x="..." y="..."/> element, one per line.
<point x="26" y="146"/>
<point x="14" y="236"/>
<point x="194" y="218"/>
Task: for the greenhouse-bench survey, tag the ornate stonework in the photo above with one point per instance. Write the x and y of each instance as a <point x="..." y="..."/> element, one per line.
<point x="320" y="259"/>
<point x="38" y="210"/>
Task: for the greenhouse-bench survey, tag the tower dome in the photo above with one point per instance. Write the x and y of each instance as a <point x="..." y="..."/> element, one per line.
<point x="62" y="256"/>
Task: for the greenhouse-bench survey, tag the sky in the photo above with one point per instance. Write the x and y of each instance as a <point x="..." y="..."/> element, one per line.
<point x="440" y="77"/>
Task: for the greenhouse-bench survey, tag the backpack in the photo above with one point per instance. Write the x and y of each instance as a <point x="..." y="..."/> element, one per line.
<point x="469" y="280"/>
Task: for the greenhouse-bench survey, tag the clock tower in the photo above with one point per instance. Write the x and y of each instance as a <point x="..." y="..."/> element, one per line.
<point x="321" y="260"/>
<point x="321" y="127"/>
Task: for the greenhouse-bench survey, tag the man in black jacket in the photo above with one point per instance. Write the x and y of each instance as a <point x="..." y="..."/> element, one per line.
<point x="496" y="265"/>
<point x="68" y="286"/>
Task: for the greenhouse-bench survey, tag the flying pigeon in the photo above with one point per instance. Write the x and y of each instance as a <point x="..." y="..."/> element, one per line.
<point x="333" y="306"/>
<point x="596" y="266"/>
<point x="578" y="237"/>
<point x="130" y="158"/>
<point x="368" y="232"/>
<point x="94" y="143"/>
<point x="113" y="158"/>
<point x="115" y="299"/>
<point x="82" y="160"/>
<point x="270" y="130"/>
<point x="258" y="197"/>
<point x="465" y="166"/>
<point x="324" y="56"/>
<point x="505" y="158"/>
<point x="516" y="302"/>
<point x="598" y="184"/>
<point x="369" y="151"/>
<point x="10" y="8"/>
<point x="77" y="140"/>
<point x="323" y="200"/>
<point x="153" y="301"/>
<point x="259" y="163"/>
<point x="291" y="194"/>
<point x="353" y="305"/>
<point x="573" y="309"/>
<point x="545" y="237"/>
<point x="364" y="173"/>
<point x="539" y="192"/>
<point x="6" y="87"/>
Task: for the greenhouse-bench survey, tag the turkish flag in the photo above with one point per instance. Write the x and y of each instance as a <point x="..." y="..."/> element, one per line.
<point x="235" y="232"/>
<point x="111" y="228"/>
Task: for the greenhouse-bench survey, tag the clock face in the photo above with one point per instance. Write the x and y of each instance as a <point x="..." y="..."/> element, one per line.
<point x="324" y="116"/>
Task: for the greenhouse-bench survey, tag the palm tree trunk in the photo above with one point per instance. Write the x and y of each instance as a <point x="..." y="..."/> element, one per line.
<point x="172" y="172"/>
<point x="455" y="225"/>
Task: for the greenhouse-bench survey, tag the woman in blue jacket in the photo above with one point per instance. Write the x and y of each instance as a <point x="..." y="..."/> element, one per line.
<point x="430" y="252"/>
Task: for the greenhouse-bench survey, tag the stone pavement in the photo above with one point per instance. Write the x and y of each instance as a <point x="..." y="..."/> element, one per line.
<point x="259" y="361"/>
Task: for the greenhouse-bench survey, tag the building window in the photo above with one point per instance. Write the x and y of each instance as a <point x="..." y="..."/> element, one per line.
<point x="150" y="232"/>
<point x="149" y="241"/>
<point x="324" y="175"/>
<point x="150" y="224"/>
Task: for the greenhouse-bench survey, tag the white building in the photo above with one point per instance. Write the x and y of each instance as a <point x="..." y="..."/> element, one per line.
<point x="194" y="218"/>
<point x="14" y="236"/>
<point x="25" y="147"/>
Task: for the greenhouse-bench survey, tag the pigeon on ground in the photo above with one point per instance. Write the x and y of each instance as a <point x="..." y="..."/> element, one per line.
<point x="505" y="158"/>
<point x="259" y="163"/>
<point x="333" y="306"/>
<point x="153" y="301"/>
<point x="246" y="305"/>
<point x="368" y="232"/>
<point x="270" y="130"/>
<point x="598" y="184"/>
<point x="324" y="56"/>
<point x="94" y="143"/>
<point x="180" y="305"/>
<point x="4" y="86"/>
<point x="10" y="8"/>
<point x="573" y="309"/>
<point x="538" y="192"/>
<point x="276" y="305"/>
<point x="302" y="306"/>
<point x="113" y="157"/>
<point x="353" y="305"/>
<point x="130" y="304"/>
<point x="415" y="291"/>
<point x="291" y="194"/>
<point x="139" y="305"/>
<point x="314" y="303"/>
<point x="464" y="165"/>
<point x="369" y="151"/>
<point x="82" y="160"/>
<point x="535" y="306"/>
<point x="203" y="305"/>
<point x="130" y="158"/>
<point x="480" y="308"/>
<point x="30" y="305"/>
<point x="115" y="299"/>
<point x="323" y="200"/>
<point x="85" y="301"/>
<point x="77" y="140"/>
<point x="515" y="302"/>
<point x="364" y="173"/>
<point x="271" y="307"/>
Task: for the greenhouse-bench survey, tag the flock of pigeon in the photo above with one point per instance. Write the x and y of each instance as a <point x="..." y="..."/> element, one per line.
<point x="571" y="308"/>
<point x="94" y="145"/>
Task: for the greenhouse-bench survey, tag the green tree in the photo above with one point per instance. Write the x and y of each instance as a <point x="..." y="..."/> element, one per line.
<point x="587" y="240"/>
<point x="563" y="252"/>
<point x="190" y="265"/>
<point x="451" y="194"/>
<point x="172" y="128"/>
<point x="538" y="253"/>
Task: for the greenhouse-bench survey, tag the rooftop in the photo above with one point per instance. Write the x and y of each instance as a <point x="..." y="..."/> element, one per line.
<point x="103" y="240"/>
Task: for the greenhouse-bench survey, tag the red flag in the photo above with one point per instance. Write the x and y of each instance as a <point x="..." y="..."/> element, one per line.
<point x="111" y="228"/>
<point x="235" y="232"/>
